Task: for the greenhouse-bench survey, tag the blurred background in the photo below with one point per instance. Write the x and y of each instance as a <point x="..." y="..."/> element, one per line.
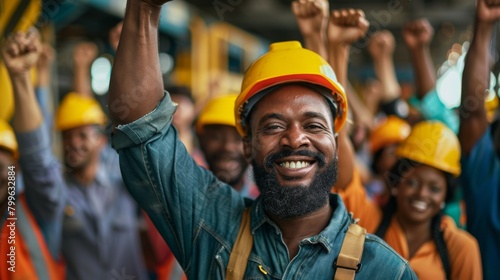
<point x="207" y="45"/>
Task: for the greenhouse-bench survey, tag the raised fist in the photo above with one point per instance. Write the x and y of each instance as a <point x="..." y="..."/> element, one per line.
<point x="382" y="44"/>
<point x="84" y="54"/>
<point x="418" y="33"/>
<point x="488" y="11"/>
<point x="311" y="15"/>
<point x="21" y="51"/>
<point x="347" y="26"/>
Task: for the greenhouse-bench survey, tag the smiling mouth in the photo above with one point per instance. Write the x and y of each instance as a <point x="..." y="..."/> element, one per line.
<point x="294" y="164"/>
<point x="419" y="205"/>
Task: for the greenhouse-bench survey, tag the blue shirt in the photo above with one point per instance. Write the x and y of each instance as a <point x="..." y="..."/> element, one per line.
<point x="199" y="216"/>
<point x="481" y="186"/>
<point x="100" y="232"/>
<point x="43" y="184"/>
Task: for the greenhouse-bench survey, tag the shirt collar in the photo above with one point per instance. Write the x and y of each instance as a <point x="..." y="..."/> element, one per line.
<point x="330" y="238"/>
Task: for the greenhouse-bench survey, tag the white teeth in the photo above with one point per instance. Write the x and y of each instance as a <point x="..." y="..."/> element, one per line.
<point x="419" y="205"/>
<point x="295" y="164"/>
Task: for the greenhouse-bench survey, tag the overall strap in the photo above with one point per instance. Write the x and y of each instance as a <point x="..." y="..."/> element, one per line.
<point x="241" y="250"/>
<point x="349" y="259"/>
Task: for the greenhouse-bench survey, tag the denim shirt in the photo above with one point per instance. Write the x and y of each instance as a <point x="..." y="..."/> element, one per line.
<point x="199" y="216"/>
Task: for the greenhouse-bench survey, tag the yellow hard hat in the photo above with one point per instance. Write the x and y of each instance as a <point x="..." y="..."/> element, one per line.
<point x="284" y="63"/>
<point x="8" y="139"/>
<point x="392" y="130"/>
<point x="219" y="110"/>
<point x="76" y="110"/>
<point x="434" y="144"/>
<point x="491" y="105"/>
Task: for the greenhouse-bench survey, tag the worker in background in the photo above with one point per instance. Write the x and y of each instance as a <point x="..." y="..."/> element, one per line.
<point x="288" y="112"/>
<point x="480" y="142"/>
<point x="31" y="213"/>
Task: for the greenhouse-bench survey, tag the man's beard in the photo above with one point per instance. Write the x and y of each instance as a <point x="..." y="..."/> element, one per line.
<point x="299" y="200"/>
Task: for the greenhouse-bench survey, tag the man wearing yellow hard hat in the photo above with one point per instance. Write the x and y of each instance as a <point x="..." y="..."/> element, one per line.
<point x="288" y="112"/>
<point x="480" y="142"/>
<point x="95" y="195"/>
<point x="30" y="212"/>
<point x="222" y="146"/>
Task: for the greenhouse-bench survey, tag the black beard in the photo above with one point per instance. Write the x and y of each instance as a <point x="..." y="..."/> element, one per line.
<point x="300" y="200"/>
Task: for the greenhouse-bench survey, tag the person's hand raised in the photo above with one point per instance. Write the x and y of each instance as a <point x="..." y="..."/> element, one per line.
<point x="347" y="26"/>
<point x="20" y="51"/>
<point x="382" y="44"/>
<point x="84" y="54"/>
<point x="488" y="11"/>
<point x="311" y="15"/>
<point x="418" y="34"/>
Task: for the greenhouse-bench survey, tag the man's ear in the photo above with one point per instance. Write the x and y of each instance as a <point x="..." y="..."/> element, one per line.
<point x="247" y="149"/>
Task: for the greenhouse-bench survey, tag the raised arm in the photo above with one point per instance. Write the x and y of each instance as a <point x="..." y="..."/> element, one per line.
<point x="312" y="18"/>
<point x="20" y="53"/>
<point x="418" y="36"/>
<point x="136" y="83"/>
<point x="475" y="80"/>
<point x="83" y="55"/>
<point x="381" y="49"/>
<point x="43" y="180"/>
<point x="345" y="27"/>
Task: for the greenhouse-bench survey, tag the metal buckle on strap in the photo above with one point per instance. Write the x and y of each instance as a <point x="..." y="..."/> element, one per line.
<point x="359" y="265"/>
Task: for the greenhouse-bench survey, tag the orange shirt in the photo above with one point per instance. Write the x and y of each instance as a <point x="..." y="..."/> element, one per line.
<point x="463" y="249"/>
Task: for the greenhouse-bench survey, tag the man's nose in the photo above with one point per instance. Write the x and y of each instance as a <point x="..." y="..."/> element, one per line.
<point x="294" y="137"/>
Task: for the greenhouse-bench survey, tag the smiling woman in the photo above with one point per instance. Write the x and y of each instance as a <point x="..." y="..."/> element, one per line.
<point x="412" y="222"/>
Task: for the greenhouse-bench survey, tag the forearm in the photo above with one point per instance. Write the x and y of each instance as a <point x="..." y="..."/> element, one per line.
<point x="136" y="83"/>
<point x="473" y="121"/>
<point x="338" y="57"/>
<point x="81" y="81"/>
<point x="386" y="73"/>
<point x="317" y="43"/>
<point x="27" y="116"/>
<point x="425" y="76"/>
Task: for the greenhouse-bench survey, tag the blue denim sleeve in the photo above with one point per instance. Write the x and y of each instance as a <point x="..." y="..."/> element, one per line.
<point x="41" y="94"/>
<point x="179" y="196"/>
<point x="44" y="184"/>
<point x="432" y="108"/>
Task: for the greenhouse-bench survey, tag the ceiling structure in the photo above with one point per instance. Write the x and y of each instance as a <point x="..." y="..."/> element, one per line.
<point x="273" y="19"/>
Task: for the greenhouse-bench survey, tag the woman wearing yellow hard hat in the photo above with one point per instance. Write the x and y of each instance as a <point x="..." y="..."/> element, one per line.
<point x="422" y="181"/>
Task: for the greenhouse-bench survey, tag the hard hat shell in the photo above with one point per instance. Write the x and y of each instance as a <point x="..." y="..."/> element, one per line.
<point x="392" y="130"/>
<point x="219" y="110"/>
<point x="76" y="110"/>
<point x="432" y="143"/>
<point x="8" y="139"/>
<point x="288" y="62"/>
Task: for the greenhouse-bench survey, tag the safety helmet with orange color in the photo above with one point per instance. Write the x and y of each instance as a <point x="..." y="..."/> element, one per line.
<point x="76" y="110"/>
<point x="434" y="144"/>
<point x="288" y="62"/>
<point x="219" y="110"/>
<point x="392" y="130"/>
<point x="8" y="139"/>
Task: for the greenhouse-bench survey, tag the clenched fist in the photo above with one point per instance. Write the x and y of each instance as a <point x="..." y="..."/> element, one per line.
<point x="21" y="51"/>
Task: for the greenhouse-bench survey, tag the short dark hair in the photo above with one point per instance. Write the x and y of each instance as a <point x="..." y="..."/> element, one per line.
<point x="180" y="91"/>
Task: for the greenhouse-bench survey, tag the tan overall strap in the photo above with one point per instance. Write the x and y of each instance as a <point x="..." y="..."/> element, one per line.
<point x="241" y="250"/>
<point x="350" y="254"/>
